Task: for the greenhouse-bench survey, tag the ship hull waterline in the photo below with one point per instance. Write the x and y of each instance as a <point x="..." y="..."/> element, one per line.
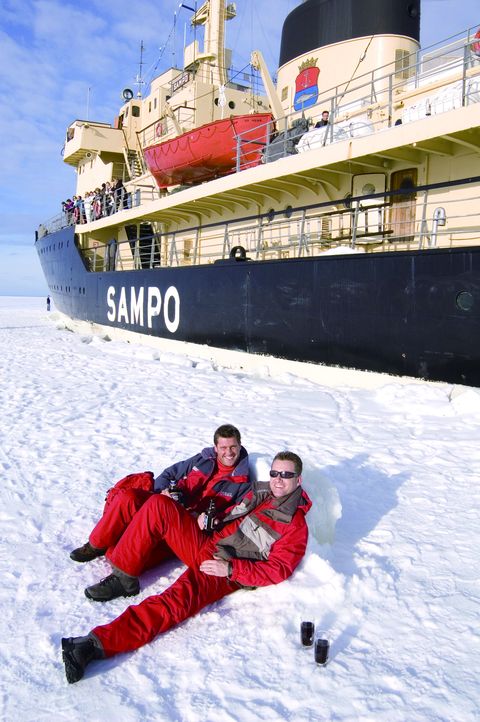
<point x="401" y="313"/>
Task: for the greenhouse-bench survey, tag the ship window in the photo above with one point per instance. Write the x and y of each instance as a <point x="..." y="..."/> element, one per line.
<point x="404" y="181"/>
<point x="231" y="105"/>
<point x="270" y="215"/>
<point x="288" y="211"/>
<point x="154" y="103"/>
<point x="464" y="301"/>
<point x="402" y="64"/>
<point x="150" y="107"/>
<point x="285" y="93"/>
<point x="326" y="231"/>
<point x="216" y="101"/>
<point x="136" y="111"/>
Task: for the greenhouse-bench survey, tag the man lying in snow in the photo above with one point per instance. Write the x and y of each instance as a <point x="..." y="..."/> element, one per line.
<point x="259" y="542"/>
<point x="220" y="473"/>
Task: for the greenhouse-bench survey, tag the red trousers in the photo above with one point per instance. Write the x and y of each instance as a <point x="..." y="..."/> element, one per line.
<point x="119" y="511"/>
<point x="161" y="520"/>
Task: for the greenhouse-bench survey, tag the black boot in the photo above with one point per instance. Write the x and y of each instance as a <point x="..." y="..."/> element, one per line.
<point x="115" y="585"/>
<point x="86" y="553"/>
<point x="77" y="653"/>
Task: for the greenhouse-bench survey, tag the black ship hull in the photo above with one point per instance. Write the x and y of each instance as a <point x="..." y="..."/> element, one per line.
<point x="404" y="313"/>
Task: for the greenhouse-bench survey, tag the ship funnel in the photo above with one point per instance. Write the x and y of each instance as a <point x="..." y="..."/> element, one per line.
<point x="317" y="23"/>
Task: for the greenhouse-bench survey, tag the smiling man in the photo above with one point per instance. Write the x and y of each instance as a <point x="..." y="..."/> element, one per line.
<point x="220" y="473"/>
<point x="259" y="542"/>
<point x="285" y="476"/>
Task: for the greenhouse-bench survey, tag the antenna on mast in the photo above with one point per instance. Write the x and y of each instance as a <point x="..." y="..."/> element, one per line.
<point x="139" y="81"/>
<point x="174" y="59"/>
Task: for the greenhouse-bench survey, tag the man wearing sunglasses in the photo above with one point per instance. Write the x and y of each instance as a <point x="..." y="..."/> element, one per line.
<point x="259" y="542"/>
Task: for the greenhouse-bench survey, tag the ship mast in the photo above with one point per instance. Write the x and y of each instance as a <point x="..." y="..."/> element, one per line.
<point x="139" y="81"/>
<point x="211" y="62"/>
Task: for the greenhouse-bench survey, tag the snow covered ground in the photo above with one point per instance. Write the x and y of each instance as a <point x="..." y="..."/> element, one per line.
<point x="391" y="576"/>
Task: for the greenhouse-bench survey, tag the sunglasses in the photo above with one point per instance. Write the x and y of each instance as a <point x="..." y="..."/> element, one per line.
<point x="282" y="474"/>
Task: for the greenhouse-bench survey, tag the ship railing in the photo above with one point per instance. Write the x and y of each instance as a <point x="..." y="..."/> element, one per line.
<point x="163" y="128"/>
<point x="416" y="218"/>
<point x="100" y="206"/>
<point x="53" y="224"/>
<point x="422" y="84"/>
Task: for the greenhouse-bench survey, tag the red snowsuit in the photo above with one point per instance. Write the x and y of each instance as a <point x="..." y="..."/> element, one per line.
<point x="282" y="540"/>
<point x="193" y="476"/>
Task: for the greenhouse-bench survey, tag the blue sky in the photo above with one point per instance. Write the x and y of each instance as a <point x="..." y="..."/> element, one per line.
<point x="52" y="52"/>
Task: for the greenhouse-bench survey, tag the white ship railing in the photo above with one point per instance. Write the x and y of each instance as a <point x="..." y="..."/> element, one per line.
<point x="164" y="129"/>
<point x="426" y="217"/>
<point x="103" y="206"/>
<point x="428" y="82"/>
<point x="450" y="71"/>
<point x="425" y="83"/>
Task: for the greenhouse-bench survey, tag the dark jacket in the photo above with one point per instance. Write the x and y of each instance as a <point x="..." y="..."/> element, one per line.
<point x="193" y="474"/>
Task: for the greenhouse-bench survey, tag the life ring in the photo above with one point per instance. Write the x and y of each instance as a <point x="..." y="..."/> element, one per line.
<point x="475" y="46"/>
<point x="158" y="130"/>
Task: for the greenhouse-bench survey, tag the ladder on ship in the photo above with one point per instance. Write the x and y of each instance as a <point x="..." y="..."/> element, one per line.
<point x="134" y="163"/>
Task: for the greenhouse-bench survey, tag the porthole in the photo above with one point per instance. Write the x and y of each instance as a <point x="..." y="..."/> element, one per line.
<point x="231" y="105"/>
<point x="288" y="211"/>
<point x="216" y="101"/>
<point x="270" y="215"/>
<point x="464" y="301"/>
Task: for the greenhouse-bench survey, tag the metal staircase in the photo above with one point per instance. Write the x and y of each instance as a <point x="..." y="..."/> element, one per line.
<point x="134" y="163"/>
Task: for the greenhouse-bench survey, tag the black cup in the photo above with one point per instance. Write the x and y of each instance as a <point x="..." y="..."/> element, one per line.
<point x="307" y="631"/>
<point x="321" y="651"/>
